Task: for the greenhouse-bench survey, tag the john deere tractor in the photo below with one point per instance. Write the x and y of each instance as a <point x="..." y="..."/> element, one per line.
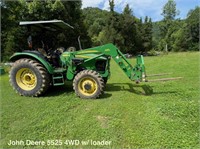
<point x="36" y="69"/>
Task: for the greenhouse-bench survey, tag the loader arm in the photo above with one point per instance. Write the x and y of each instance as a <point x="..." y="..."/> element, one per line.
<point x="136" y="73"/>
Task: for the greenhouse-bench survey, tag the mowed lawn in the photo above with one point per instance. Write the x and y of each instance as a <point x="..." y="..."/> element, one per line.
<point x="128" y="115"/>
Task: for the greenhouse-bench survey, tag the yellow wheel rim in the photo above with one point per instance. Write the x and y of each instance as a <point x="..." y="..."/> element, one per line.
<point x="26" y="79"/>
<point x="87" y="86"/>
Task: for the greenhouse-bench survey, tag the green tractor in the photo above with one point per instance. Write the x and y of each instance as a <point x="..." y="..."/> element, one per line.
<point x="35" y="70"/>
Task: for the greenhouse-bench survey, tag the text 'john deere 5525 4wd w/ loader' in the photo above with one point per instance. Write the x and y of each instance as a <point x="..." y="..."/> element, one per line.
<point x="35" y="70"/>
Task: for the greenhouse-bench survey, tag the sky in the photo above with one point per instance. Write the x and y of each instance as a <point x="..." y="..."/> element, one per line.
<point x="142" y="8"/>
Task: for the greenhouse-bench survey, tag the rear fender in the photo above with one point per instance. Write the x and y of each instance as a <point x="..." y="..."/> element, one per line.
<point x="34" y="56"/>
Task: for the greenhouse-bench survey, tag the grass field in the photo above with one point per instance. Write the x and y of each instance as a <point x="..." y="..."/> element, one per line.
<point x="148" y="115"/>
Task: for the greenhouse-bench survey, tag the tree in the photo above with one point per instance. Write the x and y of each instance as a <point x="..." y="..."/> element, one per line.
<point x="74" y="16"/>
<point x="127" y="10"/>
<point x="192" y="31"/>
<point x="179" y="37"/>
<point x="187" y="36"/>
<point x="112" y="5"/>
<point x="95" y="21"/>
<point x="123" y="30"/>
<point x="170" y="11"/>
<point x="110" y="33"/>
<point x="10" y="31"/>
<point x="167" y="26"/>
<point x="147" y="34"/>
<point x="128" y="30"/>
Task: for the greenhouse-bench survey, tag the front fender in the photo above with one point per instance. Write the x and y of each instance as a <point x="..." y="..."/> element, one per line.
<point x="35" y="56"/>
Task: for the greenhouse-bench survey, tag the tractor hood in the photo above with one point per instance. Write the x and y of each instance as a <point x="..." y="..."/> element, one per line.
<point x="88" y="56"/>
<point x="84" y="56"/>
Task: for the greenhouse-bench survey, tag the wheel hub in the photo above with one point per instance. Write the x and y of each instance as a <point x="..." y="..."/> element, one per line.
<point x="87" y="86"/>
<point x="26" y="79"/>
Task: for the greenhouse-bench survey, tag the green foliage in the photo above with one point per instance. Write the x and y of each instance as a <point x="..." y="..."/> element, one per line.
<point x="128" y="31"/>
<point x="14" y="37"/>
<point x="146" y="115"/>
<point x="192" y="30"/>
<point x="97" y="27"/>
<point x="137" y="36"/>
<point x="146" y="35"/>
<point x="124" y="30"/>
<point x="168" y="26"/>
<point x="187" y="36"/>
<point x="9" y="11"/>
<point x="175" y="34"/>
<point x="112" y="5"/>
<point x="180" y="43"/>
<point x="152" y="52"/>
<point x="170" y="11"/>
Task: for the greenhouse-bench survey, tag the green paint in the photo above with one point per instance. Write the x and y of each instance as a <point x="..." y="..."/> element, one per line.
<point x="89" y="57"/>
<point x="20" y="55"/>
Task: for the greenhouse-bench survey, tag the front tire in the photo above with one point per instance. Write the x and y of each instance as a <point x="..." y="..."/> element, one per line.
<point x="88" y="84"/>
<point x="29" y="78"/>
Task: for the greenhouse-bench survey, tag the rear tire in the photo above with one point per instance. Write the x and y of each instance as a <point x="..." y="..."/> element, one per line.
<point x="29" y="78"/>
<point x="88" y="84"/>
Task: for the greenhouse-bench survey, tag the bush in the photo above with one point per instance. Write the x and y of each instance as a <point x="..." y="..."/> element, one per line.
<point x="153" y="52"/>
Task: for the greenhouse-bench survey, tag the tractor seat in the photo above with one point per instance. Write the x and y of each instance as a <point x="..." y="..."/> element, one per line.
<point x="43" y="52"/>
<point x="71" y="49"/>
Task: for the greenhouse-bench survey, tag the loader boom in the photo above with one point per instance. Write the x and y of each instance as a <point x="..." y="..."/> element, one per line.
<point x="136" y="73"/>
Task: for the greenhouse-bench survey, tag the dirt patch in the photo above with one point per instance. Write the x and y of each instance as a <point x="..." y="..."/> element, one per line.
<point x="103" y="121"/>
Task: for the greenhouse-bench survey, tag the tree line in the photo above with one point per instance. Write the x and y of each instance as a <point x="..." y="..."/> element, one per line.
<point x="136" y="35"/>
<point x="96" y="27"/>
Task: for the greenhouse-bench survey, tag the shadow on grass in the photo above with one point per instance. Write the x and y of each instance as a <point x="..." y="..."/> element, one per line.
<point x="67" y="89"/>
<point x="58" y="90"/>
<point x="146" y="90"/>
<point x="133" y="88"/>
<point x="105" y="95"/>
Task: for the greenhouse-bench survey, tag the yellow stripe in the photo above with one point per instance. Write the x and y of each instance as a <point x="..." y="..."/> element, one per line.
<point x="83" y="56"/>
<point x="65" y="55"/>
<point x="91" y="51"/>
